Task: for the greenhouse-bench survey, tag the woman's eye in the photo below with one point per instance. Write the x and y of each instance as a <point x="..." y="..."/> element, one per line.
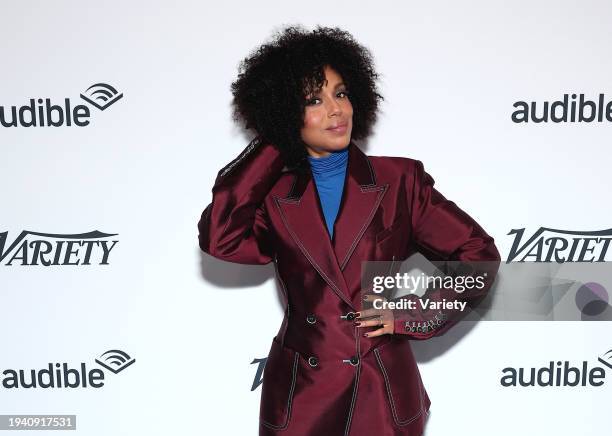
<point x="315" y="100"/>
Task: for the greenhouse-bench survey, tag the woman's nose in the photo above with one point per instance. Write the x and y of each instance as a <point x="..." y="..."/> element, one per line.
<point x="334" y="108"/>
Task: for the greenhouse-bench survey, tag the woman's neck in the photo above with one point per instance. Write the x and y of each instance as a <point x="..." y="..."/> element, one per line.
<point x="331" y="164"/>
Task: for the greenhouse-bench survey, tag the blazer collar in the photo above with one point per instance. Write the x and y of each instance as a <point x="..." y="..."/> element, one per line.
<point x="302" y="215"/>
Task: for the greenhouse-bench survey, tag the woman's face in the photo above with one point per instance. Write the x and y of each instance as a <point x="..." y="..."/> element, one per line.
<point x="328" y="117"/>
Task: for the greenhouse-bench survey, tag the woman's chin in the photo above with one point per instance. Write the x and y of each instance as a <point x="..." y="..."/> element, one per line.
<point x="323" y="148"/>
<point x="338" y="145"/>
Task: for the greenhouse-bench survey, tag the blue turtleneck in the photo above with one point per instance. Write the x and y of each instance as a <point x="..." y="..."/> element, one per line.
<point x="328" y="173"/>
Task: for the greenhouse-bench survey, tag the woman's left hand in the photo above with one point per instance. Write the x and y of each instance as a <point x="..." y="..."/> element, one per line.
<point x="382" y="318"/>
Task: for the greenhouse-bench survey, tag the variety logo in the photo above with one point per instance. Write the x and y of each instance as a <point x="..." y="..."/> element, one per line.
<point x="550" y="245"/>
<point x="567" y="110"/>
<point x="47" y="249"/>
<point x="63" y="375"/>
<point x="261" y="364"/>
<point x="41" y="112"/>
<point x="559" y="374"/>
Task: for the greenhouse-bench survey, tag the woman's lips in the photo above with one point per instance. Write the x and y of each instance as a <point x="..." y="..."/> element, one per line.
<point x="340" y="129"/>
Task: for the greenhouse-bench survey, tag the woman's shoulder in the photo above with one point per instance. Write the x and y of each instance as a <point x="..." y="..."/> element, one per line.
<point x="399" y="169"/>
<point x="395" y="164"/>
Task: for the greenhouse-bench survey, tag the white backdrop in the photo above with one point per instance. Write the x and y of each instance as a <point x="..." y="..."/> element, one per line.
<point x="143" y="169"/>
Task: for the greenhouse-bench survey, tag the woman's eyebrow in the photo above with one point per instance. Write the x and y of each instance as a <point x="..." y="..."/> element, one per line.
<point x="338" y="85"/>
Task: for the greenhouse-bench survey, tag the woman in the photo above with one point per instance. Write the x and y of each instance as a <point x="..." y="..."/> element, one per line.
<point x="303" y="195"/>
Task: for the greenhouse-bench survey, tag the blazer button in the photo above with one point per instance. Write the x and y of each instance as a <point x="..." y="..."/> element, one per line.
<point x="311" y="319"/>
<point x="313" y="361"/>
<point x="353" y="360"/>
<point x="349" y="316"/>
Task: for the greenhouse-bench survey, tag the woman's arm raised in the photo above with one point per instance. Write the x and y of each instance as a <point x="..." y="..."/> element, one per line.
<point x="445" y="231"/>
<point x="234" y="226"/>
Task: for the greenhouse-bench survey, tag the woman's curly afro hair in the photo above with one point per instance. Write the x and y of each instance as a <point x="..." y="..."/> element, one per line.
<point x="275" y="79"/>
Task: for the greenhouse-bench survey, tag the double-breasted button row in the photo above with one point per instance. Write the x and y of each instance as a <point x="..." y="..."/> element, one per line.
<point x="354" y="360"/>
<point x="312" y="360"/>
<point x="311" y="319"/>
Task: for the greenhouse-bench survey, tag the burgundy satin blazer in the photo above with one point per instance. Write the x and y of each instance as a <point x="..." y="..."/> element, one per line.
<point x="322" y="377"/>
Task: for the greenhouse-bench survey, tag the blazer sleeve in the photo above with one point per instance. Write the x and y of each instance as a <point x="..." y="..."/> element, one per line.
<point x="441" y="230"/>
<point x="234" y="226"/>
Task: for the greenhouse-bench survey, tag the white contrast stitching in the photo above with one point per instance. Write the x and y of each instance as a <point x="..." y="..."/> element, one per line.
<point x="382" y="189"/>
<point x="289" y="400"/>
<point x="310" y="259"/>
<point x="249" y="148"/>
<point x="353" y="400"/>
<point x="356" y="387"/>
<point x="389" y="394"/>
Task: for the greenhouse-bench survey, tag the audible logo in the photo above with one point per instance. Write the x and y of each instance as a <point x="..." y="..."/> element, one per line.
<point x="560" y="373"/>
<point x="568" y="110"/>
<point x="42" y="112"/>
<point x="63" y="375"/>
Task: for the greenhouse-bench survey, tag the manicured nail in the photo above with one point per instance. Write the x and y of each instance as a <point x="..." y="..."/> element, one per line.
<point x="365" y="335"/>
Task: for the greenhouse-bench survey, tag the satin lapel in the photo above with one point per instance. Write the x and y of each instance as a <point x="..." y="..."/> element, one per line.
<point x="360" y="199"/>
<point x="302" y="215"/>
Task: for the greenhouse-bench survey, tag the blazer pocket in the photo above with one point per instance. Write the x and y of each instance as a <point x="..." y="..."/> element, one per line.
<point x="279" y="379"/>
<point x="387" y="232"/>
<point x="402" y="382"/>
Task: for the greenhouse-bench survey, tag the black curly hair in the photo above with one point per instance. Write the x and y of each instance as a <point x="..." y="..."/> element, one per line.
<point x="275" y="79"/>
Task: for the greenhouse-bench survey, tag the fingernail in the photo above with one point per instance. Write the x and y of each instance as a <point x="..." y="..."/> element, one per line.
<point x="357" y="324"/>
<point x="365" y="298"/>
<point x="357" y="314"/>
<point x="365" y="335"/>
